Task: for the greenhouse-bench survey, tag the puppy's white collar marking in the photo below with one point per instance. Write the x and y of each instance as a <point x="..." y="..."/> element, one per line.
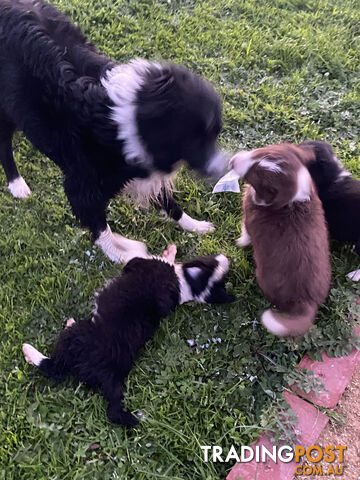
<point x="185" y="290"/>
<point x="19" y="189"/>
<point x="122" y="83"/>
<point x="304" y="185"/>
<point x="32" y="356"/>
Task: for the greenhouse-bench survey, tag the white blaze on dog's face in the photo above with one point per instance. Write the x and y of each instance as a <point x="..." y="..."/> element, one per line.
<point x="202" y="279"/>
<point x="276" y="173"/>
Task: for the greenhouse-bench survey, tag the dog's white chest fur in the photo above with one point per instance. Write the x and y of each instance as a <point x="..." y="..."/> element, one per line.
<point x="145" y="191"/>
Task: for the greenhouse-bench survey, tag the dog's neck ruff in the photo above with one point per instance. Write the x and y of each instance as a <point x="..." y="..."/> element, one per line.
<point x="122" y="84"/>
<point x="147" y="191"/>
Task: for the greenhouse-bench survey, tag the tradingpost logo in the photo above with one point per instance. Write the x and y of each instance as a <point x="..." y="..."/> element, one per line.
<point x="331" y="456"/>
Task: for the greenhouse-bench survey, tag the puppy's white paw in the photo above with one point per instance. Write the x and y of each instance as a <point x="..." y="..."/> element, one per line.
<point x="354" y="276"/>
<point x="170" y="253"/>
<point x="192" y="225"/>
<point x="19" y="188"/>
<point x="70" y="322"/>
<point x="243" y="241"/>
<point x="32" y="355"/>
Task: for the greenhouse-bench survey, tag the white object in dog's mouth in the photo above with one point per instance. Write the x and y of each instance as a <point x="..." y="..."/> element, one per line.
<point x="228" y="183"/>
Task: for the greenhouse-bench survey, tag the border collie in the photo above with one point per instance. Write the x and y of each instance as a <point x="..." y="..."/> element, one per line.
<point x="101" y="351"/>
<point x="284" y="221"/>
<point x="110" y="128"/>
<point x="339" y="193"/>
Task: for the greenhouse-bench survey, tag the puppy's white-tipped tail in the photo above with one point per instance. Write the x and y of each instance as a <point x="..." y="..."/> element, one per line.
<point x="289" y="324"/>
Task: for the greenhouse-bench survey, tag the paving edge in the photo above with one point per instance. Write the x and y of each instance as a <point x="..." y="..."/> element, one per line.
<point x="336" y="373"/>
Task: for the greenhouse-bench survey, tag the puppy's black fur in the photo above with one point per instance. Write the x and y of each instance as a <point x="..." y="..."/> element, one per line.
<point x="52" y="88"/>
<point x="338" y="191"/>
<point x="101" y="351"/>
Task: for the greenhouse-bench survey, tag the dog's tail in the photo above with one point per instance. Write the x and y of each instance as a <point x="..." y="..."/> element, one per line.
<point x="290" y="324"/>
<point x="48" y="366"/>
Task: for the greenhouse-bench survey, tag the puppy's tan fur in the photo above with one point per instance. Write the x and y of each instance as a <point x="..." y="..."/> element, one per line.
<point x="284" y="219"/>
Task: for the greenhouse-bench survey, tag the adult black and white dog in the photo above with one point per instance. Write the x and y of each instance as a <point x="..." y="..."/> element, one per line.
<point x="110" y="128"/>
<point x="101" y="351"/>
<point x="339" y="192"/>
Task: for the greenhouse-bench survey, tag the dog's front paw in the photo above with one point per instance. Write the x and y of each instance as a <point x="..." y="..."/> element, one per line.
<point x="243" y="241"/>
<point x="19" y="188"/>
<point x="192" y="225"/>
<point x="354" y="276"/>
<point x="204" y="227"/>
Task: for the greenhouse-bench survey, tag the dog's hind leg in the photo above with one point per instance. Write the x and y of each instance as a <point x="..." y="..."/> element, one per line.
<point x="17" y="185"/>
<point x="89" y="206"/>
<point x="53" y="367"/>
<point x="113" y="393"/>
<point x="32" y="356"/>
<point x="119" y="248"/>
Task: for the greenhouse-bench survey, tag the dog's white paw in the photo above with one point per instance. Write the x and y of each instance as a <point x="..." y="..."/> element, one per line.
<point x="120" y="249"/>
<point x="32" y="356"/>
<point x="192" y="225"/>
<point x="19" y="188"/>
<point x="354" y="276"/>
<point x="243" y="241"/>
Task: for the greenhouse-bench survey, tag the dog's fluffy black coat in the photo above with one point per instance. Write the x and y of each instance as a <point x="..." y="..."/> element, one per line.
<point x="101" y="351"/>
<point x="338" y="191"/>
<point x="52" y="88"/>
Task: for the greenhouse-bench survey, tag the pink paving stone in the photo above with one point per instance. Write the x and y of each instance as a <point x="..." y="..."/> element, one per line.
<point x="310" y="425"/>
<point x="336" y="374"/>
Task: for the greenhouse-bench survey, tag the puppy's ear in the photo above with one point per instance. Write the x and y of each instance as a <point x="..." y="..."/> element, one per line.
<point x="193" y="272"/>
<point x="261" y="181"/>
<point x="218" y="294"/>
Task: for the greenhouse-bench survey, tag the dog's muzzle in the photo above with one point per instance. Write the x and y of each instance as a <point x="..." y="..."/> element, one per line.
<point x="216" y="166"/>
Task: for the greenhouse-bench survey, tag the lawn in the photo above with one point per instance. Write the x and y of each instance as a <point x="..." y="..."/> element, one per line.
<point x="286" y="70"/>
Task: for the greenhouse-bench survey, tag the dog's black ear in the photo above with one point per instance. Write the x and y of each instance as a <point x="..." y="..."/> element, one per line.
<point x="197" y="278"/>
<point x="158" y="95"/>
<point x="218" y="294"/>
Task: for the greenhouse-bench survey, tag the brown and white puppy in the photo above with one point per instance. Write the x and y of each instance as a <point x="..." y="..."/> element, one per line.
<point x="284" y="221"/>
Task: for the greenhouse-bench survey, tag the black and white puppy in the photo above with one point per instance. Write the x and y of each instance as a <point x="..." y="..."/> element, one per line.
<point x="339" y="192"/>
<point x="110" y="128"/>
<point x="101" y="351"/>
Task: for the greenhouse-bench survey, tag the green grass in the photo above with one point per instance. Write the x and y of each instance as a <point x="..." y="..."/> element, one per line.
<point x="286" y="70"/>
